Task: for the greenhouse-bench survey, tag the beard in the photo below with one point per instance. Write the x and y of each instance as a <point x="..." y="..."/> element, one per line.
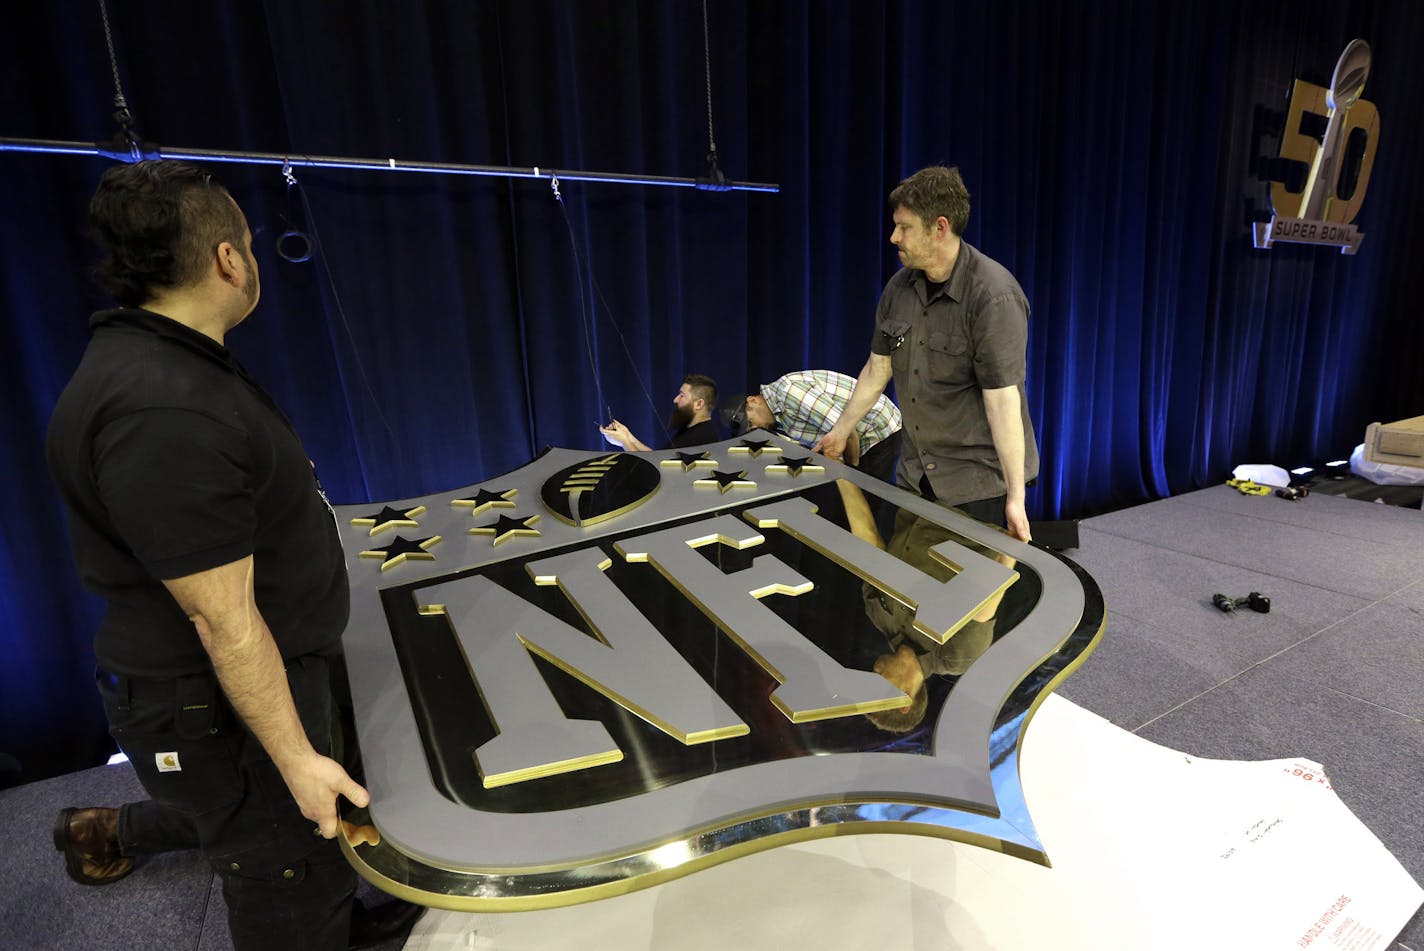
<point x="679" y="419"/>
<point x="252" y="289"/>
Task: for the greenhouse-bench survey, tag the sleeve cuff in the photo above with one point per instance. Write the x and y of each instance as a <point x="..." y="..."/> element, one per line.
<point x="181" y="566"/>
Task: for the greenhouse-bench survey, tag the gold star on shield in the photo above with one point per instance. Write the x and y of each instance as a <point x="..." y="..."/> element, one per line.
<point x="795" y="465"/>
<point x="726" y="480"/>
<point x="691" y="460"/>
<point x="402" y="549"/>
<point x="485" y="499"/>
<point x="388" y="517"/>
<point x="754" y="447"/>
<point x="507" y="528"/>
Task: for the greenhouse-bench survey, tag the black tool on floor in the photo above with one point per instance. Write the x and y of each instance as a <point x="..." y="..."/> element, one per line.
<point x="1256" y="601"/>
<point x="1293" y="493"/>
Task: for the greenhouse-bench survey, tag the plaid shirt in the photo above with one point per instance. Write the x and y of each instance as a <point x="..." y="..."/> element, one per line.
<point x="807" y="404"/>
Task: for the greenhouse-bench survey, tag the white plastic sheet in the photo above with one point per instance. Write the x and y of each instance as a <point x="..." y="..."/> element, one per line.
<point x="1151" y="849"/>
<point x="1384" y="473"/>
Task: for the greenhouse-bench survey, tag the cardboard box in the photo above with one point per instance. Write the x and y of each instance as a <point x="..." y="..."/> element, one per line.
<point x="1400" y="444"/>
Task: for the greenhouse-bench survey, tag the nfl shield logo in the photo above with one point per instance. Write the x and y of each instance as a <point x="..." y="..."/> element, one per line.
<point x="605" y="670"/>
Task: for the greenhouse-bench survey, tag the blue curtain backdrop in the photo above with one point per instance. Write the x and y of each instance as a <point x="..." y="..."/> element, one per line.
<point x="453" y="327"/>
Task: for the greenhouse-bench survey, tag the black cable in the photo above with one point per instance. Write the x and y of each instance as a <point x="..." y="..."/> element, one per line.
<point x="707" y="64"/>
<point x="203" y="912"/>
<point x="126" y="136"/>
<point x="113" y="60"/>
<point x="715" y="180"/>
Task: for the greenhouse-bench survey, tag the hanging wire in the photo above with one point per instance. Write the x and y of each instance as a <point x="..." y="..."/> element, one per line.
<point x="715" y="180"/>
<point x="113" y="60"/>
<point x="583" y="308"/>
<point x="122" y="115"/>
<point x="583" y="305"/>
<point x="341" y="311"/>
<point x="526" y="376"/>
<point x="632" y="364"/>
<point x="707" y="64"/>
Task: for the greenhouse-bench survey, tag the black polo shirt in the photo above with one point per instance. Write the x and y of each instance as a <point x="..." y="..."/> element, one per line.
<point x="947" y="344"/>
<point x="171" y="460"/>
<point x="698" y="434"/>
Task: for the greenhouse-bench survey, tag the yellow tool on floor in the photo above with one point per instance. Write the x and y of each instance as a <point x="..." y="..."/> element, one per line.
<point x="1247" y="487"/>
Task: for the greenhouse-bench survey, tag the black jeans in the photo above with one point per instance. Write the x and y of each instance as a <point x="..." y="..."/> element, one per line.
<point x="214" y="788"/>
<point x="985" y="510"/>
<point x="879" y="461"/>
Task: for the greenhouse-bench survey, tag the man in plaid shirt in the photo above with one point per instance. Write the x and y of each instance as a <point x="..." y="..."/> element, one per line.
<point x="805" y="405"/>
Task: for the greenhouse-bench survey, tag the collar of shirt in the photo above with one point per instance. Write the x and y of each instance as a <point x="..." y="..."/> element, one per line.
<point x="167" y="328"/>
<point x="957" y="286"/>
<point x="184" y="336"/>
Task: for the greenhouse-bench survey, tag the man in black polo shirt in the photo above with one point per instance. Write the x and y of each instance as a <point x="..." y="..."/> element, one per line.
<point x="952" y="331"/>
<point x="690" y="423"/>
<point x="195" y="512"/>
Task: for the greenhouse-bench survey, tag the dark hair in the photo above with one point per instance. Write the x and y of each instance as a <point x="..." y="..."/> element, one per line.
<point x="904" y="720"/>
<point x="159" y="222"/>
<point x="734" y="413"/>
<point x="933" y="193"/>
<point x="703" y="388"/>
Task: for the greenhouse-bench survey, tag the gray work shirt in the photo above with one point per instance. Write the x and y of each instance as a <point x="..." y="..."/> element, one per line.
<point x="970" y="336"/>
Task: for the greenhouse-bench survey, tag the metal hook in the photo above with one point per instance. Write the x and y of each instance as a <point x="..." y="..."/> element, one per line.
<point x="293" y="245"/>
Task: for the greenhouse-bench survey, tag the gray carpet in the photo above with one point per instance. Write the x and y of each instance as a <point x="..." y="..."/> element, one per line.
<point x="1332" y="673"/>
<point x="170" y="901"/>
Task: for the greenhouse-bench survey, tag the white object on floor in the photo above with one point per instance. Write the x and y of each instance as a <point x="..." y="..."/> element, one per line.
<point x="1151" y="849"/>
<point x="1263" y="475"/>
<point x="1384" y="473"/>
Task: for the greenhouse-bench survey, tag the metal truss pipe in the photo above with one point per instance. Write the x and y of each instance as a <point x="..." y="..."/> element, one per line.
<point x="121" y="153"/>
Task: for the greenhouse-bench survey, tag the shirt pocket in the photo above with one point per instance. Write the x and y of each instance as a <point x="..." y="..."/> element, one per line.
<point x="949" y="358"/>
<point x="894" y="331"/>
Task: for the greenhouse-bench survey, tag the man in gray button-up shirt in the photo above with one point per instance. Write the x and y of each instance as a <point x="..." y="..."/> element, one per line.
<point x="952" y="331"/>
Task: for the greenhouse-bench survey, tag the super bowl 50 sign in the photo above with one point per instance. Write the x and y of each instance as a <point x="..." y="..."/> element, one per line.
<point x="1322" y="212"/>
<point x="605" y="670"/>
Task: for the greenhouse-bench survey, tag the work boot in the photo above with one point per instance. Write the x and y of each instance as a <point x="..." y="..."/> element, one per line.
<point x="89" y="839"/>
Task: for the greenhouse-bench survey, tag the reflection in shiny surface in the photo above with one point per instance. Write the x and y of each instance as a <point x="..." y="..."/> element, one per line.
<point x="833" y="617"/>
<point x="857" y="626"/>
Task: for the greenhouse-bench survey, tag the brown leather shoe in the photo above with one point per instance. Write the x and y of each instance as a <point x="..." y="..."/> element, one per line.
<point x="89" y="839"/>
